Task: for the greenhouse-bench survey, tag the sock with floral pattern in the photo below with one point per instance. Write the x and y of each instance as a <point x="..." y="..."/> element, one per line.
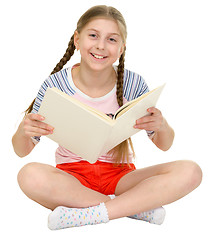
<point x="63" y="217"/>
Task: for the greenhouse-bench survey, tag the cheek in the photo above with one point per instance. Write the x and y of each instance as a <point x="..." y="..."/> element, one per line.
<point x="84" y="50"/>
<point x="116" y="52"/>
<point x="84" y="45"/>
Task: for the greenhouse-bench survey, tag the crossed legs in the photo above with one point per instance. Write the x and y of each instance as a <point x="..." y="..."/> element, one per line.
<point x="138" y="191"/>
<point x="52" y="187"/>
<point x="154" y="186"/>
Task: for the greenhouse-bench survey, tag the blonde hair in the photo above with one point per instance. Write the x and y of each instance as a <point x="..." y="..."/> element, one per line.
<point x="120" y="152"/>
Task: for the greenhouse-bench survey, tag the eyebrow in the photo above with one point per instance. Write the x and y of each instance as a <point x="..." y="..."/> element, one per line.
<point x="92" y="29"/>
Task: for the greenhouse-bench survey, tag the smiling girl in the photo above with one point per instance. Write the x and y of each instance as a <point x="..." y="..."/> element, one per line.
<point x="80" y="193"/>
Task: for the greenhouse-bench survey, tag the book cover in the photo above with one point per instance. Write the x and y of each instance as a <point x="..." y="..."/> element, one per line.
<point x="86" y="131"/>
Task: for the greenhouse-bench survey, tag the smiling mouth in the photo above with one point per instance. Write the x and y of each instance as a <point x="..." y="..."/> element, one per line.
<point x="97" y="56"/>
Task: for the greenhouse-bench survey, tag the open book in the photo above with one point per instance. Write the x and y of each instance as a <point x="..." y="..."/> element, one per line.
<point x="88" y="132"/>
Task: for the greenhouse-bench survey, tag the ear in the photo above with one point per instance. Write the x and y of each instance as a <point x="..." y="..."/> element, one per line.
<point x="76" y="40"/>
<point x="122" y="49"/>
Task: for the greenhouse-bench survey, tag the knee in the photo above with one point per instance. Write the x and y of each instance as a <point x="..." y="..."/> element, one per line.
<point x="29" y="177"/>
<point x="191" y="173"/>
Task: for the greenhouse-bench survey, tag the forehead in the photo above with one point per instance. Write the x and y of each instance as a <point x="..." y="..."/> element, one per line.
<point x="104" y="25"/>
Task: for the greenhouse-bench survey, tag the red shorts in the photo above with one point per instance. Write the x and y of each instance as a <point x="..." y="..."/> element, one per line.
<point x="100" y="176"/>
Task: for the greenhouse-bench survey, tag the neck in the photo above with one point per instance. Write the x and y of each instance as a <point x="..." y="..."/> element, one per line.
<point x="91" y="79"/>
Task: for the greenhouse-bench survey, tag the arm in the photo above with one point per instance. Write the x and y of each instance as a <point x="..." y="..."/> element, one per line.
<point x="22" y="144"/>
<point x="163" y="138"/>
<point x="164" y="134"/>
<point x="31" y="125"/>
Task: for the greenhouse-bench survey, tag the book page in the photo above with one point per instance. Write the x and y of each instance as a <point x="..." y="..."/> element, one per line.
<point x="76" y="128"/>
<point x="123" y="128"/>
<point x="83" y="105"/>
<point x="130" y="104"/>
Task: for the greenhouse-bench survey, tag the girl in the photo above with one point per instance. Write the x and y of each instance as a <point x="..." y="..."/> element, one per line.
<point x="80" y="193"/>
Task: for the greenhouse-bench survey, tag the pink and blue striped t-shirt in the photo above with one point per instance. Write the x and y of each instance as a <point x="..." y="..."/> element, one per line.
<point x="133" y="87"/>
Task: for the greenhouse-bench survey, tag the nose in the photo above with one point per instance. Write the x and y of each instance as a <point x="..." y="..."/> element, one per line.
<point x="100" y="44"/>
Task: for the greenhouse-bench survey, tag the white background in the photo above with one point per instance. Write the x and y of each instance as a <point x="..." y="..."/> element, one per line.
<point x="168" y="41"/>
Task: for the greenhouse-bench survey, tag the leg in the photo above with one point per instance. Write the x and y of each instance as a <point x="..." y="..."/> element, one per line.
<point x="52" y="187"/>
<point x="149" y="188"/>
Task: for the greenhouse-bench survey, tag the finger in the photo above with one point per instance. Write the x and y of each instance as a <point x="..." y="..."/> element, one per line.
<point x="42" y="125"/>
<point x="35" y="117"/>
<point x="41" y="131"/>
<point x="33" y="131"/>
<point x="36" y="121"/>
<point x="145" y="119"/>
<point x="154" y="111"/>
<point x="146" y="126"/>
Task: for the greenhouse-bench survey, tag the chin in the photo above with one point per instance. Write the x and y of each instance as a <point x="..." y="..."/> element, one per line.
<point x="99" y="67"/>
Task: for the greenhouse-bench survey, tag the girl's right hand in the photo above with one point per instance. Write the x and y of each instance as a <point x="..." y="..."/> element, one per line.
<point x="33" y="126"/>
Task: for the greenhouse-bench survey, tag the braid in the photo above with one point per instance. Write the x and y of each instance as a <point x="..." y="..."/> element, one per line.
<point x="120" y="73"/>
<point x="66" y="57"/>
<point x="122" y="150"/>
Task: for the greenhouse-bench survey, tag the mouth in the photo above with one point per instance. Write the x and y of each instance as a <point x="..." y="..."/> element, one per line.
<point x="98" y="56"/>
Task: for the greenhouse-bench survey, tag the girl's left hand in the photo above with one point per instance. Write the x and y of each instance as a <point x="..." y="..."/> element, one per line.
<point x="154" y="122"/>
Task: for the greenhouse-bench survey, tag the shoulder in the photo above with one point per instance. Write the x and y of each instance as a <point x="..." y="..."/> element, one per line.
<point x="59" y="80"/>
<point x="134" y="85"/>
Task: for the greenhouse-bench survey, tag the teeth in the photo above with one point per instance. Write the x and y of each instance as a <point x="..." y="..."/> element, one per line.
<point x="96" y="56"/>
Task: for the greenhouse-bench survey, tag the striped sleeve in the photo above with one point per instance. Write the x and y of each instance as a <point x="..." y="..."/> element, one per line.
<point x="133" y="87"/>
<point x="58" y="80"/>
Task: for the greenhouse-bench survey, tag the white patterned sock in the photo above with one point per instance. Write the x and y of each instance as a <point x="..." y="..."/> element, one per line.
<point x="155" y="216"/>
<point x="63" y="217"/>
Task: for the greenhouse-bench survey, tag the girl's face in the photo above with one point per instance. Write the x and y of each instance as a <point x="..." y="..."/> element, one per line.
<point x="100" y="43"/>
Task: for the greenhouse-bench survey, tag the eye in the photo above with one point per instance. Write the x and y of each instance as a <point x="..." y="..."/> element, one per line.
<point x="112" y="39"/>
<point x="92" y="35"/>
